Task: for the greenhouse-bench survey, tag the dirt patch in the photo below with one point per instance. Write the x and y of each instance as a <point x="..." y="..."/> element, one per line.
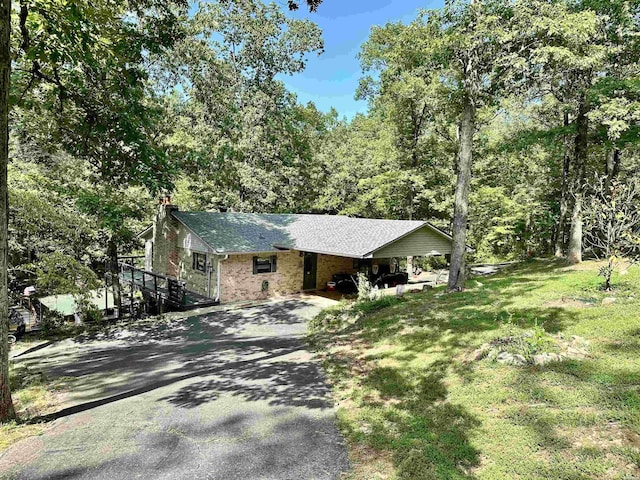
<point x="609" y="438"/>
<point x="603" y="437"/>
<point x="369" y="464"/>
<point x="591" y="265"/>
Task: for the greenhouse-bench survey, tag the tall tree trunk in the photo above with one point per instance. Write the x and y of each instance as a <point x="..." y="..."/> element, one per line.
<point x="114" y="271"/>
<point x="617" y="162"/>
<point x="457" y="272"/>
<point x="612" y="166"/>
<point x="564" y="193"/>
<point x="574" y="254"/>
<point x="7" y="411"/>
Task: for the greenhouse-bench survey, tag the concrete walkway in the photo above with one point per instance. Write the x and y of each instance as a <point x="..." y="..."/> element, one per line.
<point x="225" y="395"/>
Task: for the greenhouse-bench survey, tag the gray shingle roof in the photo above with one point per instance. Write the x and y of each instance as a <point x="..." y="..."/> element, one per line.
<point x="337" y="235"/>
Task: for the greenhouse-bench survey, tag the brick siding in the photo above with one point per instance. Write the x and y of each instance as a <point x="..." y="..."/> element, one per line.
<point x="238" y="281"/>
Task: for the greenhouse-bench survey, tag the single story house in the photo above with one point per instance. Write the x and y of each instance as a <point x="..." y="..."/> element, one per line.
<point x="244" y="256"/>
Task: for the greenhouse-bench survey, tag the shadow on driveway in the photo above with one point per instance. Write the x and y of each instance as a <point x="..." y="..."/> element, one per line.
<point x="226" y="395"/>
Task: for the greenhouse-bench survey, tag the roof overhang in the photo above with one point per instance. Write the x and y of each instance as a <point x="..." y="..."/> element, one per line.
<point x="280" y="247"/>
<point x="144" y="232"/>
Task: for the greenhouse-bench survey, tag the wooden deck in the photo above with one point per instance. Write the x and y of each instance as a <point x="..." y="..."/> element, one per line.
<point x="169" y="290"/>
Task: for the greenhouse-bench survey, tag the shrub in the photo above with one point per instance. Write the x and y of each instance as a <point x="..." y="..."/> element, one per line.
<point x="364" y="287"/>
<point x="89" y="313"/>
<point x="524" y="342"/>
<point x="52" y="323"/>
<point x="436" y="262"/>
<point x="330" y="318"/>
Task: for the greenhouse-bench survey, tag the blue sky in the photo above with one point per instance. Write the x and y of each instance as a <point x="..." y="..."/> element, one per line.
<point x="331" y="79"/>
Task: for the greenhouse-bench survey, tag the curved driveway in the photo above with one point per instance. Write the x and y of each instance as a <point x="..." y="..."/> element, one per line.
<point x="226" y="395"/>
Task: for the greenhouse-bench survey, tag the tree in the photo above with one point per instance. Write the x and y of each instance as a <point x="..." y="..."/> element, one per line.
<point x="612" y="223"/>
<point x="115" y="212"/>
<point x="456" y="61"/>
<point x="7" y="411"/>
<point x="582" y="45"/>
<point x="81" y="82"/>
<point x="43" y="219"/>
<point x="407" y="100"/>
<point x="563" y="62"/>
<point x="251" y="142"/>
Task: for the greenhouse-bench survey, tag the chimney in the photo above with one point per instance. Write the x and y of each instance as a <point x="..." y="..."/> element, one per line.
<point x="165" y="230"/>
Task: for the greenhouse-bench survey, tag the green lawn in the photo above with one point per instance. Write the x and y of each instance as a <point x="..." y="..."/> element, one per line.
<point x="413" y="405"/>
<point x="33" y="396"/>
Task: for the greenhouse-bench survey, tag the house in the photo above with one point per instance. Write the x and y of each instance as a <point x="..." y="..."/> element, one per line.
<point x="243" y="256"/>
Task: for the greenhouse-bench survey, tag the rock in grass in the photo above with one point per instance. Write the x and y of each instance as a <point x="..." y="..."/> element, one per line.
<point x="478" y="354"/>
<point x="481" y="352"/>
<point x="511" y="359"/>
<point x="541" y="359"/>
<point x="519" y="360"/>
<point x="576" y="353"/>
<point x="608" y="300"/>
<point x="545" y="358"/>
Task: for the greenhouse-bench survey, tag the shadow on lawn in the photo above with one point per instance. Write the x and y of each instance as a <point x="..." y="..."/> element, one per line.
<point x="590" y="404"/>
<point x="409" y="416"/>
<point x="402" y="404"/>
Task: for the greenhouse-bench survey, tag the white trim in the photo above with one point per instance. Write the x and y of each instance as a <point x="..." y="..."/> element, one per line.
<point x="145" y="231"/>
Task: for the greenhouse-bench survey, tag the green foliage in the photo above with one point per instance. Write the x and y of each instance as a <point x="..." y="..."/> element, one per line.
<point x="435" y="263"/>
<point x="42" y="218"/>
<point x="52" y="324"/>
<point x="56" y="211"/>
<point x="348" y="312"/>
<point x="532" y="63"/>
<point x="330" y="319"/>
<point x="88" y="311"/>
<point x="250" y="141"/>
<point x="81" y="83"/>
<point x="524" y="341"/>
<point x="58" y="273"/>
<point x="364" y="287"/>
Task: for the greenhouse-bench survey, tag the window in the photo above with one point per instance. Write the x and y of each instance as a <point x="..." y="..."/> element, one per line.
<point x="264" y="264"/>
<point x="199" y="261"/>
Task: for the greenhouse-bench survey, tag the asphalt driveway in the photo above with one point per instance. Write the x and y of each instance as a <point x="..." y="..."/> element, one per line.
<point x="226" y="395"/>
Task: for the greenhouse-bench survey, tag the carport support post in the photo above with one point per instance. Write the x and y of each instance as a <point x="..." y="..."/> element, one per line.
<point x="409" y="267"/>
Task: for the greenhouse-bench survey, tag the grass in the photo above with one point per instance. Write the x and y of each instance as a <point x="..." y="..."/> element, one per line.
<point x="413" y="406"/>
<point x="33" y="397"/>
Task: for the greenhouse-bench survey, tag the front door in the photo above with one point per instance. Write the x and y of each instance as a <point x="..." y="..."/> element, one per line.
<point x="310" y="269"/>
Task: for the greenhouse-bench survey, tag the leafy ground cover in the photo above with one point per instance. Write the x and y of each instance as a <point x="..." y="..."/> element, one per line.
<point x="414" y="405"/>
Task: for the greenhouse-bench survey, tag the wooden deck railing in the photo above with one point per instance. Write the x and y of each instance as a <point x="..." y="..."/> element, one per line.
<point x="161" y="286"/>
